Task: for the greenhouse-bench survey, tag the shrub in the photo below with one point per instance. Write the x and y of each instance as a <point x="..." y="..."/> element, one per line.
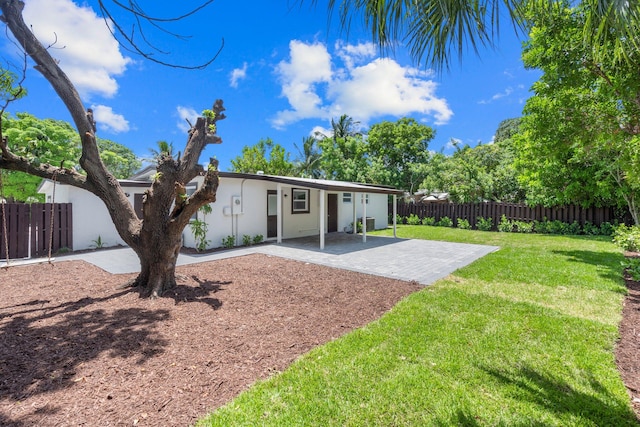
<point x="399" y="219"/>
<point x="199" y="230"/>
<point x="247" y="240"/>
<point x="505" y="226"/>
<point x="428" y="220"/>
<point x="607" y="229"/>
<point x="229" y="242"/>
<point x="484" y="224"/>
<point x="632" y="267"/>
<point x="445" y="221"/>
<point x="414" y="220"/>
<point x="590" y="230"/>
<point x="464" y="224"/>
<point x="628" y="238"/>
<point x="523" y="227"/>
<point x="258" y="238"/>
<point x="573" y="228"/>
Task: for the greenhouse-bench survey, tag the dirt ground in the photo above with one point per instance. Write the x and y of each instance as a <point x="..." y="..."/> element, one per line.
<point x="76" y="350"/>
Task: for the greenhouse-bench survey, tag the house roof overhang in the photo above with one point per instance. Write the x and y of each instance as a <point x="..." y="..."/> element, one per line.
<point x="320" y="184"/>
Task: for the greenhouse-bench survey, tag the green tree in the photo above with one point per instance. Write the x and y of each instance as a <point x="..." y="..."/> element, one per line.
<point x="54" y="142"/>
<point x="307" y="162"/>
<point x="438" y="31"/>
<point x="254" y="158"/>
<point x="484" y="172"/>
<point x="157" y="238"/>
<point x="396" y="150"/>
<point x="344" y="158"/>
<point x="580" y="133"/>
<point x="118" y="159"/>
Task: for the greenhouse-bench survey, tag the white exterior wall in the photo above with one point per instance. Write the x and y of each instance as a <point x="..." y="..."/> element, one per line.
<point x="377" y="209"/>
<point x="91" y="218"/>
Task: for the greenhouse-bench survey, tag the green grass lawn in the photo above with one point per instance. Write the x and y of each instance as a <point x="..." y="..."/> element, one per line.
<point x="522" y="337"/>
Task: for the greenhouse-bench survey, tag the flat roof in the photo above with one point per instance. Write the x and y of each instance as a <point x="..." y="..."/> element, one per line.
<point x="321" y="184"/>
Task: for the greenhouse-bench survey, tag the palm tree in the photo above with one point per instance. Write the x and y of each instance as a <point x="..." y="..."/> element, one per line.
<point x="435" y="31"/>
<point x="344" y="127"/>
<point x="164" y="149"/>
<point x="308" y="161"/>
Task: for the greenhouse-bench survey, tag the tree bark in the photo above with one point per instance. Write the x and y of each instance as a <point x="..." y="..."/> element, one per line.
<point x="157" y="238"/>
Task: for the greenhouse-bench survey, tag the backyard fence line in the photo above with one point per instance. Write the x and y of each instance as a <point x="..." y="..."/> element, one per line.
<point x="512" y="211"/>
<point x="29" y="229"/>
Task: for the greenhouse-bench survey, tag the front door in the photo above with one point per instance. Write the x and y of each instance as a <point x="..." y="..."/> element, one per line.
<point x="272" y="213"/>
<point x="332" y="213"/>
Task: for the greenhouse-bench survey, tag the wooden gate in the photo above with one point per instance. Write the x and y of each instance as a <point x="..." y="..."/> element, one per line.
<point x="29" y="229"/>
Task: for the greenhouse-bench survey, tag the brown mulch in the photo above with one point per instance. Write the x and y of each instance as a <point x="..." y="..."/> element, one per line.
<point x="628" y="348"/>
<point x="77" y="350"/>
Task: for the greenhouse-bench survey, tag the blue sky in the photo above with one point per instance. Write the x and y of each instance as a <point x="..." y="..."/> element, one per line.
<point x="284" y="72"/>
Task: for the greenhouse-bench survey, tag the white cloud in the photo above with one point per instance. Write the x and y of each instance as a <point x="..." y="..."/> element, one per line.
<point x="107" y="120"/>
<point x="508" y="91"/>
<point x="186" y="113"/>
<point x="87" y="52"/>
<point x="362" y="88"/>
<point x="352" y="54"/>
<point x="237" y="75"/>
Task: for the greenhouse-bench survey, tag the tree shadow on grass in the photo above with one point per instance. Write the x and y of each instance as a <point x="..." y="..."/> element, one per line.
<point x="557" y="396"/>
<point x="608" y="263"/>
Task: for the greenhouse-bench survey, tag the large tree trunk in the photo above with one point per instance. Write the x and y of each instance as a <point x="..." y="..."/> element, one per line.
<point x="158" y="265"/>
<point x="156" y="238"/>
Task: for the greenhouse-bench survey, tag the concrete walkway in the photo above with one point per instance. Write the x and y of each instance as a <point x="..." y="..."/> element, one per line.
<point x="424" y="261"/>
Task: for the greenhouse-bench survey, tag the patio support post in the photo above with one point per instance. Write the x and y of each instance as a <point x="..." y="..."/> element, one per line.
<point x="354" y="196"/>
<point x="395" y="214"/>
<point x="322" y="217"/>
<point x="279" y="213"/>
<point x="364" y="218"/>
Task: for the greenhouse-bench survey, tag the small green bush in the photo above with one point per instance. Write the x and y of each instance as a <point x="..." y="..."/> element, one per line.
<point x="505" y="226"/>
<point x="247" y="240"/>
<point x="628" y="238"/>
<point x="464" y="224"/>
<point x="590" y="230"/>
<point x="257" y="239"/>
<point x="484" y="224"/>
<point x="445" y="221"/>
<point x="414" y="220"/>
<point x="607" y="229"/>
<point x="229" y="242"/>
<point x="573" y="228"/>
<point x="632" y="267"/>
<point x="428" y="220"/>
<point x="523" y="227"/>
<point x="399" y="219"/>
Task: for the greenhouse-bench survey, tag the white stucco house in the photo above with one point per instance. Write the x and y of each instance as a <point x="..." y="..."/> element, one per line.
<point x="275" y="207"/>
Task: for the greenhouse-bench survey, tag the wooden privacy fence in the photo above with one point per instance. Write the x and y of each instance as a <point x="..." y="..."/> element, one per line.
<point x="513" y="212"/>
<point x="29" y="229"/>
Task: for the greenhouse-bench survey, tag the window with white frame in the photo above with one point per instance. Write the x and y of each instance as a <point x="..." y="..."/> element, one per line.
<point x="346" y="197"/>
<point x="299" y="200"/>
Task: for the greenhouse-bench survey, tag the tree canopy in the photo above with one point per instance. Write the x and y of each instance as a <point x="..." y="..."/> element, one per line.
<point x="580" y="132"/>
<point x="54" y="142"/>
<point x="255" y="159"/>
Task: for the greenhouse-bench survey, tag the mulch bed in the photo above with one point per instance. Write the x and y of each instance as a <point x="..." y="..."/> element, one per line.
<point x="77" y="350"/>
<point x="628" y="348"/>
